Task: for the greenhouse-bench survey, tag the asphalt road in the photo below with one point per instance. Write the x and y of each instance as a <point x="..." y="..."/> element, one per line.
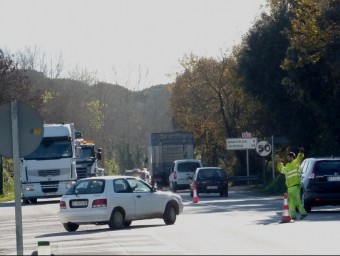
<point x="243" y="223"/>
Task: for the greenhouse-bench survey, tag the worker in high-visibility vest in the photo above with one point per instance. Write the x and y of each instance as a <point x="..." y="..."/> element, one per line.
<point x="293" y="183"/>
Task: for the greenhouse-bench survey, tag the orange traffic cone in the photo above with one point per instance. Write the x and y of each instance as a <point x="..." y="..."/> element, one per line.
<point x="195" y="197"/>
<point x="286" y="215"/>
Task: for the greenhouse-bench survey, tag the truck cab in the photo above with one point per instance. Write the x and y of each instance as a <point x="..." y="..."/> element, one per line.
<point x="51" y="168"/>
<point x="87" y="161"/>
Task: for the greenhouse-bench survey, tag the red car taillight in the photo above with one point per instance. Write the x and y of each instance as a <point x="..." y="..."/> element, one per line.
<point x="62" y="205"/>
<point x="99" y="203"/>
<point x="175" y="175"/>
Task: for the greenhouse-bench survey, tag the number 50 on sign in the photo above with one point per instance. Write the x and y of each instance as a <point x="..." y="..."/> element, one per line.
<point x="263" y="148"/>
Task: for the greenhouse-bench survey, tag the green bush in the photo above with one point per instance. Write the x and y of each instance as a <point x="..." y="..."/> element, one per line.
<point x="275" y="187"/>
<point x="8" y="181"/>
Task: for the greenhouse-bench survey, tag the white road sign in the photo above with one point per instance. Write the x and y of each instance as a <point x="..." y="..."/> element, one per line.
<point x="241" y="143"/>
<point x="263" y="148"/>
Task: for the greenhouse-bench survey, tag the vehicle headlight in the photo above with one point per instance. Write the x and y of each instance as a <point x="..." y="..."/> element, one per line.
<point x="69" y="184"/>
<point x="29" y="187"/>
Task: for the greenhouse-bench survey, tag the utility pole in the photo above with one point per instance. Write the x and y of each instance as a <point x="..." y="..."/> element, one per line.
<point x="1" y="177"/>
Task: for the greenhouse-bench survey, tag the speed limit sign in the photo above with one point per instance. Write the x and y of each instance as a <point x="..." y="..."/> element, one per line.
<point x="263" y="148"/>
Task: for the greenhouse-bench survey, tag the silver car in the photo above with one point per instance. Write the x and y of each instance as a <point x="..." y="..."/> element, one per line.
<point x="116" y="201"/>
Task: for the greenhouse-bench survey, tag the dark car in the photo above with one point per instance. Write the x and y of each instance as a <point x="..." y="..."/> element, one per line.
<point x="320" y="178"/>
<point x="209" y="180"/>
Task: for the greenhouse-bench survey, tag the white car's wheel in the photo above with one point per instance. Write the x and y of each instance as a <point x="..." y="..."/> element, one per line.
<point x="70" y="227"/>
<point x="127" y="223"/>
<point x="116" y="220"/>
<point x="169" y="216"/>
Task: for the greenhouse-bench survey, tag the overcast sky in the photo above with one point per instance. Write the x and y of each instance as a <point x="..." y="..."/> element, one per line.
<point x="121" y="40"/>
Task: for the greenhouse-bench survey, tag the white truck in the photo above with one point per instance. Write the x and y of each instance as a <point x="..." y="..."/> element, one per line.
<point x="87" y="161"/>
<point x="164" y="149"/>
<point x="51" y="169"/>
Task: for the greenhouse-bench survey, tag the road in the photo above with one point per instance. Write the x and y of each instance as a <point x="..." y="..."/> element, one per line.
<point x="243" y="223"/>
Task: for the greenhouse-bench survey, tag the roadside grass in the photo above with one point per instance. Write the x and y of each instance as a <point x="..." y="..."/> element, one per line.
<point x="275" y="187"/>
<point x="6" y="197"/>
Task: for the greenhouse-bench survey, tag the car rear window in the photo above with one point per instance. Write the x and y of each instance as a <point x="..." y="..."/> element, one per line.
<point x="327" y="168"/>
<point x="207" y="174"/>
<point x="87" y="187"/>
<point x="187" y="167"/>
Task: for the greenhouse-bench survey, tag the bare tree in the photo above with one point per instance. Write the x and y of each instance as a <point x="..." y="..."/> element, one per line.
<point x="35" y="59"/>
<point x="83" y="75"/>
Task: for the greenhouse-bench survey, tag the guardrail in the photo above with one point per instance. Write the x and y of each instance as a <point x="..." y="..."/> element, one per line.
<point x="250" y="179"/>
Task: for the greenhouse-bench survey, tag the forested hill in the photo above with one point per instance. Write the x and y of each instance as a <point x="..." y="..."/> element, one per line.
<point x="117" y="119"/>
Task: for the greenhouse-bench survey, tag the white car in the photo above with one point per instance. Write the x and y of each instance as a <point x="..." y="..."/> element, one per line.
<point x="181" y="173"/>
<point x="116" y="201"/>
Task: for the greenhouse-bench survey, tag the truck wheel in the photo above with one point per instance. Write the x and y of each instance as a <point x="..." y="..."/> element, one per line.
<point x="70" y="227"/>
<point x="169" y="216"/>
<point x="116" y="220"/>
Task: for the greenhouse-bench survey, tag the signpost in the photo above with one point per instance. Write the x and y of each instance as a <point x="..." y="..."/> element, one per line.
<point x="241" y="143"/>
<point x="22" y="130"/>
<point x="244" y="143"/>
<point x="276" y="140"/>
<point x="263" y="148"/>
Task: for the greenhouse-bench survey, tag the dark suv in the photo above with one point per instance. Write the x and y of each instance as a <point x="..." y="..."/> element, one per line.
<point x="320" y="178"/>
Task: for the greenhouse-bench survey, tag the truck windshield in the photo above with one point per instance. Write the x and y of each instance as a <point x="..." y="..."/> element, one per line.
<point x="51" y="148"/>
<point x="86" y="153"/>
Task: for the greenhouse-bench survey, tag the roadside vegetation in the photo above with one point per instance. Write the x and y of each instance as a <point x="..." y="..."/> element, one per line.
<point x="275" y="187"/>
<point x="8" y="182"/>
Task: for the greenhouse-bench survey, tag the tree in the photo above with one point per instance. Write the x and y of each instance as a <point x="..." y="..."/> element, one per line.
<point x="36" y="59"/>
<point x="261" y="74"/>
<point x="296" y="82"/>
<point x="14" y="84"/>
<point x="312" y="62"/>
<point x="207" y="99"/>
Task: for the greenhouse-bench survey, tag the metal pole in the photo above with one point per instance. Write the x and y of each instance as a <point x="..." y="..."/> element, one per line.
<point x="264" y="170"/>
<point x="247" y="165"/>
<point x="17" y="179"/>
<point x="273" y="162"/>
<point x="1" y="177"/>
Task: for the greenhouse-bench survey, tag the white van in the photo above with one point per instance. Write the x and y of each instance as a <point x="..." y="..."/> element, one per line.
<point x="181" y="173"/>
